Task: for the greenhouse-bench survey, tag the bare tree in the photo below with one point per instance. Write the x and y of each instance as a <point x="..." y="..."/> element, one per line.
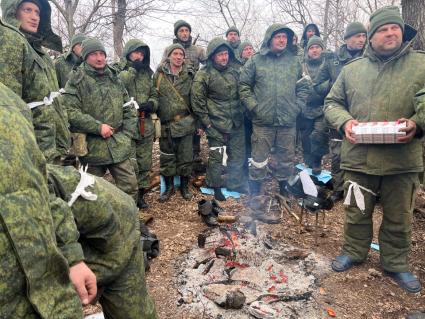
<point x="414" y="14"/>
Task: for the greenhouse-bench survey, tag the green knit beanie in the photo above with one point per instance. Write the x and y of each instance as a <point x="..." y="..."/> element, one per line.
<point x="385" y="15"/>
<point x="315" y="40"/>
<point x="233" y="29"/>
<point x="90" y="45"/>
<point x="179" y="24"/>
<point x="174" y="46"/>
<point x="77" y="38"/>
<point x="354" y="28"/>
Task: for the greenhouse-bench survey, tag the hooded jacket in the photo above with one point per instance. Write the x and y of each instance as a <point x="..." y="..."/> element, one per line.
<point x="370" y="89"/>
<point x="34" y="274"/>
<point x="64" y="65"/>
<point x="271" y="86"/>
<point x="304" y="40"/>
<point x="93" y="98"/>
<point x="50" y="122"/>
<point x="214" y="95"/>
<point x="139" y="84"/>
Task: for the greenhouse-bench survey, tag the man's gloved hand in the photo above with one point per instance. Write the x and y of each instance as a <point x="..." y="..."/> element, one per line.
<point x="84" y="281"/>
<point x="146" y="107"/>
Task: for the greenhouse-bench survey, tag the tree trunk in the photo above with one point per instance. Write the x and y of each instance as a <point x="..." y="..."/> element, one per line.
<point x="118" y="26"/>
<point x="414" y="14"/>
<point x="326" y="23"/>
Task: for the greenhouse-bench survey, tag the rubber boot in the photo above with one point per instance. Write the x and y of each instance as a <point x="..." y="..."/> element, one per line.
<point x="218" y="195"/>
<point x="169" y="189"/>
<point x="141" y="203"/>
<point x="254" y="188"/>
<point x="184" y="188"/>
<point x="316" y="168"/>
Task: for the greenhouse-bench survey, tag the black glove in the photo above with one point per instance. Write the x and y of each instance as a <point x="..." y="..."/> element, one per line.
<point x="146" y="107"/>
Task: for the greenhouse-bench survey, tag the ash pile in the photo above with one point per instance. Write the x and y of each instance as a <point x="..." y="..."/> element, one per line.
<point x="236" y="272"/>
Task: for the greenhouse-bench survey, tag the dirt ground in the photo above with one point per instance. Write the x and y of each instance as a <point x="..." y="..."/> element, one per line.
<point x="363" y="292"/>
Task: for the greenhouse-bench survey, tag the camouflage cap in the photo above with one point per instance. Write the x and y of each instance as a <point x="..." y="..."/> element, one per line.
<point x="90" y="45"/>
<point x="181" y="23"/>
<point x="382" y="16"/>
<point x="173" y="47"/>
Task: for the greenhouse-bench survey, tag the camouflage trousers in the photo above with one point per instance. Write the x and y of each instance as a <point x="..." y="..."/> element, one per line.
<point x="314" y="139"/>
<point x="123" y="174"/>
<point x="335" y="150"/>
<point x="176" y="157"/>
<point x="144" y="160"/>
<point x="235" y="150"/>
<point x="263" y="139"/>
<point x="126" y="296"/>
<point x="397" y="195"/>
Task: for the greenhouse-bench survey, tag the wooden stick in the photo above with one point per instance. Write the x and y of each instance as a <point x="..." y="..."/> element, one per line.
<point x="227" y="219"/>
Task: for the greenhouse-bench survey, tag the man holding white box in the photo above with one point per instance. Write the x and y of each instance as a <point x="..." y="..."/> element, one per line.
<point x="378" y="87"/>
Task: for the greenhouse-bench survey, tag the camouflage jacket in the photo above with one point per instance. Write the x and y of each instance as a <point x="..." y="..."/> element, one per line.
<point x="104" y="224"/>
<point x="64" y="65"/>
<point x="331" y="67"/>
<point x="214" y="94"/>
<point x="139" y="85"/>
<point x="93" y="98"/>
<point x="314" y="106"/>
<point x="38" y="78"/>
<point x="194" y="55"/>
<point x="368" y="90"/>
<point x="34" y="273"/>
<point x="174" y="108"/>
<point x="271" y="86"/>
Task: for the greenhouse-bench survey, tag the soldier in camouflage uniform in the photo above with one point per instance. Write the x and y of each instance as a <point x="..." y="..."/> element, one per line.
<point x="311" y="122"/>
<point x="246" y="50"/>
<point x="355" y="40"/>
<point x="309" y="31"/>
<point x="96" y="101"/>
<point x="381" y="86"/>
<point x="194" y="57"/>
<point x="215" y="101"/>
<point x="137" y="79"/>
<point x="274" y="92"/>
<point x="37" y="73"/>
<point x="104" y="225"/>
<point x="173" y="80"/>
<point x="38" y="241"/>
<point x="72" y="59"/>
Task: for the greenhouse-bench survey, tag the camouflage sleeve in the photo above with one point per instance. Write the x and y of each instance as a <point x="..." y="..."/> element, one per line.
<point x="302" y="88"/>
<point x="59" y="72"/>
<point x="419" y="117"/>
<point x="322" y="83"/>
<point x="129" y="116"/>
<point x="13" y="50"/>
<point x="336" y="108"/>
<point x="66" y="230"/>
<point x="79" y="121"/>
<point x="45" y="131"/>
<point x="153" y="96"/>
<point x="198" y="98"/>
<point x="246" y="84"/>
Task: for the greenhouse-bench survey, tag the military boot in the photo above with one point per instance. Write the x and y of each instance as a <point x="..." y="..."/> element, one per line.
<point x="205" y="210"/>
<point x="169" y="189"/>
<point x="141" y="203"/>
<point x="218" y="195"/>
<point x="254" y="188"/>
<point x="184" y="188"/>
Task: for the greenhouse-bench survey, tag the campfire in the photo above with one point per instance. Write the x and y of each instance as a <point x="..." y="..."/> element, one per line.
<point x="240" y="272"/>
